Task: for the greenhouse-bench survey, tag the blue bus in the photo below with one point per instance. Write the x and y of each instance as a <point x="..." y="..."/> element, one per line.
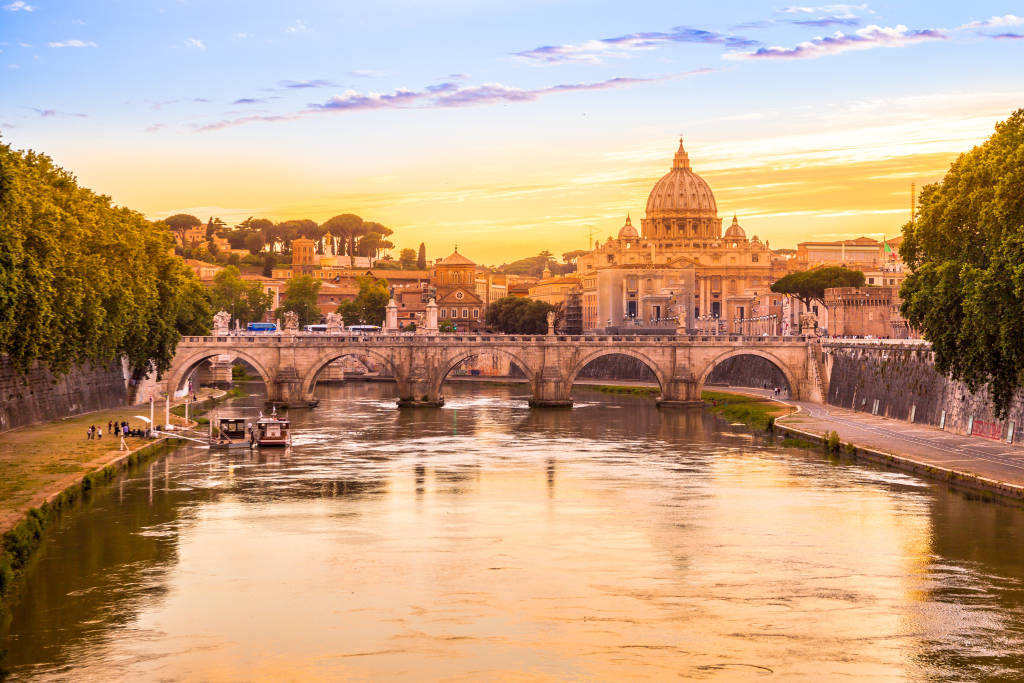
<point x="363" y="329"/>
<point x="262" y="328"/>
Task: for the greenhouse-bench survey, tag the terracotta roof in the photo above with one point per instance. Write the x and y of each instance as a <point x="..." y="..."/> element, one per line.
<point x="456" y="259"/>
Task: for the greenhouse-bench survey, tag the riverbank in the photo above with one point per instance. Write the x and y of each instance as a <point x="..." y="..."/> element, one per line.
<point x="979" y="466"/>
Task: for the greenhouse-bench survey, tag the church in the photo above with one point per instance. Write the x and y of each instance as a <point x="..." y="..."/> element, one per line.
<point x="679" y="267"/>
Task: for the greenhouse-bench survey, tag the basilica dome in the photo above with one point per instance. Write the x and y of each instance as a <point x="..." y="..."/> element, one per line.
<point x="681" y="205"/>
<point x="628" y="232"/>
<point x="681" y="192"/>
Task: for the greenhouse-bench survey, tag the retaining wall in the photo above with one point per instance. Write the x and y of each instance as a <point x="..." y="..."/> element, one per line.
<point x="38" y="395"/>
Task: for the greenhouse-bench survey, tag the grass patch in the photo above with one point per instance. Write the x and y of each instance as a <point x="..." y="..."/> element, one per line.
<point x="790" y="442"/>
<point x="627" y="391"/>
<point x="752" y="411"/>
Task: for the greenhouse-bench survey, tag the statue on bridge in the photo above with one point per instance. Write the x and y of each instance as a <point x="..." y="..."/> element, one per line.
<point x="291" y="322"/>
<point x="808" y="323"/>
<point x="335" y="323"/>
<point x="551" y="322"/>
<point x="221" y="323"/>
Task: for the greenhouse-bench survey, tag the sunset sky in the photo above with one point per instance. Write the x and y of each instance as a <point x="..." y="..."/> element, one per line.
<point x="509" y="127"/>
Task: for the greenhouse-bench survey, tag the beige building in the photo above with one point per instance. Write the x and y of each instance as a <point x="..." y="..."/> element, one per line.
<point x="554" y="290"/>
<point x="681" y="233"/>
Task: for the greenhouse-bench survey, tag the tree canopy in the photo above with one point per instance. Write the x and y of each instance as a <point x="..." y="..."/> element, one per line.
<point x="810" y="285"/>
<point x="407" y="259"/>
<point x="245" y="300"/>
<point x="369" y="305"/>
<point x="421" y="257"/>
<point x="518" y="315"/>
<point x="82" y="280"/>
<point x="301" y="295"/>
<point x="534" y="266"/>
<point x="966" y="248"/>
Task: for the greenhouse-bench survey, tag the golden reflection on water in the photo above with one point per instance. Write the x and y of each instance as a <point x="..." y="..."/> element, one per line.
<point x="497" y="543"/>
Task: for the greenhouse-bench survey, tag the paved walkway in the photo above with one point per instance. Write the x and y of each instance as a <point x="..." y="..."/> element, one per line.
<point x="972" y="455"/>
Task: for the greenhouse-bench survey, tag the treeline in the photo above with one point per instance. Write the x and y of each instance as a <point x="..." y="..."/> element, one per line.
<point x="350" y="234"/>
<point x="534" y="266"/>
<point x="82" y="280"/>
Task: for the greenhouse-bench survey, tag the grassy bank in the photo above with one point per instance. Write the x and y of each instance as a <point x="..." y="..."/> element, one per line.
<point x="753" y="411"/>
<point x="645" y="392"/>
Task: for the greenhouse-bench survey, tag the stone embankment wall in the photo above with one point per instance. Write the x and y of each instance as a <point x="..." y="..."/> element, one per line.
<point x="617" y="366"/>
<point x="900" y="381"/>
<point x="39" y="395"/>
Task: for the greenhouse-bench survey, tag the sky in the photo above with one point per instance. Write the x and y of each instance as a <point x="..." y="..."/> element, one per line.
<point x="509" y="127"/>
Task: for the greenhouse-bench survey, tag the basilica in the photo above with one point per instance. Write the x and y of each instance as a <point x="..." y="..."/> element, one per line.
<point x="679" y="270"/>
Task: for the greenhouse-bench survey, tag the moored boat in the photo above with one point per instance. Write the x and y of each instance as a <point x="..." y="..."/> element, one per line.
<point x="272" y="431"/>
<point x="229" y="432"/>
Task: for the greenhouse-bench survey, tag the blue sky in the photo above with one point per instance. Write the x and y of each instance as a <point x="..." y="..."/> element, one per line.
<point x="509" y="127"/>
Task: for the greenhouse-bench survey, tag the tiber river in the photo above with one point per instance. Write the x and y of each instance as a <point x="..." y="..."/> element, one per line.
<point x="487" y="541"/>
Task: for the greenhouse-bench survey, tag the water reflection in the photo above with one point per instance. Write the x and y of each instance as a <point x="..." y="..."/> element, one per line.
<point x="484" y="540"/>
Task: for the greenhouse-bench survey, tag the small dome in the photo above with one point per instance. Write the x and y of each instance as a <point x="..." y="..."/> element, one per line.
<point x="627" y="231"/>
<point x="735" y="232"/>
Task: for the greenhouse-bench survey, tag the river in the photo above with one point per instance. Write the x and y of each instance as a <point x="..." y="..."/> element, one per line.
<point x="489" y="541"/>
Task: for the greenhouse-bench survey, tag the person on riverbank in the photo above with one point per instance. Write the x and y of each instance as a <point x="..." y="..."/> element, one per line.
<point x="99" y="432"/>
<point x="123" y="446"/>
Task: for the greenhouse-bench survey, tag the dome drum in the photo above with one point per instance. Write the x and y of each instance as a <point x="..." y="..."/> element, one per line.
<point x="681" y="204"/>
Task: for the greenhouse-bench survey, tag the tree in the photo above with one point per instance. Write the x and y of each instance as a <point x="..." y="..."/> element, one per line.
<point x="82" y="280"/>
<point x="518" y="315"/>
<point x="407" y="259"/>
<point x="179" y="223"/>
<point x="571" y="256"/>
<point x="245" y="300"/>
<point x="301" y="296"/>
<point x="810" y="285"/>
<point x="253" y="242"/>
<point x="347" y="226"/>
<point x="369" y="306"/>
<point x="269" y="261"/>
<point x="421" y="258"/>
<point x="447" y="326"/>
<point x="966" y="248"/>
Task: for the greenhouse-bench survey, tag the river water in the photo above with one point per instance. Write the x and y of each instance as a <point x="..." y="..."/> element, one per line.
<point x="488" y="541"/>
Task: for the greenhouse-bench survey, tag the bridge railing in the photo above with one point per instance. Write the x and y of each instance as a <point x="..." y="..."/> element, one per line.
<point x="323" y="339"/>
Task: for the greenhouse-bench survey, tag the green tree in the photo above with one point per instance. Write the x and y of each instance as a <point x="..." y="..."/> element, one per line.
<point x="810" y="285"/>
<point x="253" y="242"/>
<point x="571" y="256"/>
<point x="519" y="315"/>
<point x="84" y="281"/>
<point x="179" y="223"/>
<point x="269" y="261"/>
<point x="245" y="300"/>
<point x="446" y="326"/>
<point x="407" y="259"/>
<point x="369" y="306"/>
<point x="347" y="226"/>
<point x="966" y="248"/>
<point x="421" y="257"/>
<point x="301" y="296"/>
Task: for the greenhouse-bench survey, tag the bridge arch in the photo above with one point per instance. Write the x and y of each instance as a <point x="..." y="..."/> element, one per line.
<point x="309" y="380"/>
<point x="780" y="364"/>
<point x="181" y="370"/>
<point x="464" y="355"/>
<point x="659" y="372"/>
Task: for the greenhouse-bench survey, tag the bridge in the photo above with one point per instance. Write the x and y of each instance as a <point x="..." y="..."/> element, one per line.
<point x="289" y="364"/>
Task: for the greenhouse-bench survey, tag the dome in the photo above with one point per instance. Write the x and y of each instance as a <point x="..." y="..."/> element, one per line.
<point x="681" y="192"/>
<point x="628" y="232"/>
<point x="734" y="231"/>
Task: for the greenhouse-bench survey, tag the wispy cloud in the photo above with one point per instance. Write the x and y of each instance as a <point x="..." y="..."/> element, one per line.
<point x="51" y="113"/>
<point x="298" y="27"/>
<point x="195" y="43"/>
<point x="240" y="35"/>
<point x="19" y="6"/>
<point x="156" y="127"/>
<point x="864" y="39"/>
<point x="595" y="51"/>
<point x="157" y="106"/>
<point x="996" y="22"/>
<point x="841" y="11"/>
<point x="1008" y="36"/>
<point x="441" y="95"/>
<point x="250" y="100"/>
<point x="73" y="43"/>
<point x="826" y="21"/>
<point x="299" y="85"/>
<point x="366" y="73"/>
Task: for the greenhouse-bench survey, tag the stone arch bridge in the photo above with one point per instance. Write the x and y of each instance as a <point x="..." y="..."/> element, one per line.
<point x="290" y="364"/>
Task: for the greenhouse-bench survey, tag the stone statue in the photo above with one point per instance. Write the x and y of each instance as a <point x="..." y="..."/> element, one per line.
<point x="808" y="323"/>
<point x="551" y="322"/>
<point x="291" y="321"/>
<point x="334" y="323"/>
<point x="221" y="323"/>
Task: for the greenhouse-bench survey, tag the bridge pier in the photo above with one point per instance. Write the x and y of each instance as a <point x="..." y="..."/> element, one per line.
<point x="680" y="390"/>
<point x="551" y="390"/>
<point x="287" y="389"/>
<point x="416" y="391"/>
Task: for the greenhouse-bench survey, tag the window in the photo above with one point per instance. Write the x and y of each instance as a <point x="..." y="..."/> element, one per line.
<point x="871" y="280"/>
<point x="465" y="312"/>
<point x="754" y="258"/>
<point x="476" y="312"/>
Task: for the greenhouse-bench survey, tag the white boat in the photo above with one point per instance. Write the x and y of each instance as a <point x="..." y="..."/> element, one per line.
<point x="272" y="431"/>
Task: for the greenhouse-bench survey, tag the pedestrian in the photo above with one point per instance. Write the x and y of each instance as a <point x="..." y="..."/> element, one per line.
<point x="99" y="432"/>
<point x="88" y="434"/>
<point x="117" y="429"/>
<point x="123" y="446"/>
<point x="109" y="426"/>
